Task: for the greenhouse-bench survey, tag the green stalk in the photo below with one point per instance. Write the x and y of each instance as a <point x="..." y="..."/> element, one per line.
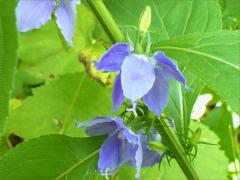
<point x="106" y="20"/>
<point x="176" y="148"/>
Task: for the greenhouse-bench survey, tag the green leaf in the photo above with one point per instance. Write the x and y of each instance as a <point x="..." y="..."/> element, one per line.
<point x="44" y="52"/>
<point x="8" y="56"/>
<point x="53" y="107"/>
<point x="52" y="157"/>
<point x="231" y="14"/>
<point x="213" y="58"/>
<point x="217" y="119"/>
<point x="181" y="101"/>
<point x="210" y="163"/>
<point x="168" y="19"/>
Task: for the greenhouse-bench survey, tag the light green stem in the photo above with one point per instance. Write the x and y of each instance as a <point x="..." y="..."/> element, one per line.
<point x="176" y="148"/>
<point x="106" y="20"/>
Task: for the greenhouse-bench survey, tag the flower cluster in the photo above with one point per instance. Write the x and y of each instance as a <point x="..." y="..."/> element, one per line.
<point x="140" y="76"/>
<point x="122" y="146"/>
<point x="34" y="14"/>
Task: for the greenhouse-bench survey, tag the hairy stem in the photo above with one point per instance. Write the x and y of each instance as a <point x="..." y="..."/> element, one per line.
<point x="106" y="20"/>
<point x="176" y="148"/>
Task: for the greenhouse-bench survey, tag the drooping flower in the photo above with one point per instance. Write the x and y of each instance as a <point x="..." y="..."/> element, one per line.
<point x="140" y="76"/>
<point x="34" y="14"/>
<point x="122" y="146"/>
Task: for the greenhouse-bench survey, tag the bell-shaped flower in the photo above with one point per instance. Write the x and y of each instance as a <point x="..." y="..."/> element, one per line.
<point x="140" y="76"/>
<point x="122" y="146"/>
<point x="34" y="14"/>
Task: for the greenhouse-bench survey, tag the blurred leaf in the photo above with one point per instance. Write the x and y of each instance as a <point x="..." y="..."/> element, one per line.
<point x="213" y="58"/>
<point x="210" y="163"/>
<point x="53" y="107"/>
<point x="231" y="14"/>
<point x="45" y="54"/>
<point x="24" y="82"/>
<point x="168" y="19"/>
<point x="52" y="157"/>
<point x="3" y="146"/>
<point x="220" y="121"/>
<point x="181" y="101"/>
<point x="8" y="56"/>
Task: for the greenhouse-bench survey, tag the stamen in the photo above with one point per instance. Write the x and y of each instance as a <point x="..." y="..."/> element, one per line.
<point x="106" y="174"/>
<point x="133" y="109"/>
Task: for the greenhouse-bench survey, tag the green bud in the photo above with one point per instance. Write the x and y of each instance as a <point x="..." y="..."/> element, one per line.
<point x="145" y="20"/>
<point x="196" y="136"/>
<point x="157" y="146"/>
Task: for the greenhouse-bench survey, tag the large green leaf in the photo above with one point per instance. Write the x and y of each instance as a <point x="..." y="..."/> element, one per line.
<point x="212" y="57"/>
<point x="53" y="107"/>
<point x="210" y="163"/>
<point x="217" y="119"/>
<point x="52" y="157"/>
<point x="8" y="55"/>
<point x="169" y="18"/>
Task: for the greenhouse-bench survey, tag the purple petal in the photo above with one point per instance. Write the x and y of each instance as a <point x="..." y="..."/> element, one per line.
<point x="150" y="158"/>
<point x="137" y="76"/>
<point x="66" y="18"/>
<point x="156" y="98"/>
<point x="113" y="58"/>
<point x="169" y="68"/>
<point x="137" y="157"/>
<point x="109" y="154"/>
<point x="33" y="14"/>
<point x="99" y="126"/>
<point x="117" y="94"/>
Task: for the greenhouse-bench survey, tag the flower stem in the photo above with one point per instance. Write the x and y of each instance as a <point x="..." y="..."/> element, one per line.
<point x="106" y="20"/>
<point x="176" y="148"/>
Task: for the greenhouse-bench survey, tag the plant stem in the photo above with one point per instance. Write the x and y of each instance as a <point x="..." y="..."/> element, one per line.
<point x="106" y="20"/>
<point x="176" y="148"/>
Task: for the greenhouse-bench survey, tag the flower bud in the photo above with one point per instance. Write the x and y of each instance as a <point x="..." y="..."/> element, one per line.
<point x="157" y="146"/>
<point x="196" y="136"/>
<point x="145" y="20"/>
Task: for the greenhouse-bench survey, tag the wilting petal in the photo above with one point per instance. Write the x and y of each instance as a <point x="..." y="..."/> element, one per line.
<point x="99" y="126"/>
<point x="109" y="154"/>
<point x="112" y="60"/>
<point x="156" y="98"/>
<point x="33" y="14"/>
<point x="169" y="68"/>
<point x="137" y="76"/>
<point x="66" y="18"/>
<point x="117" y="94"/>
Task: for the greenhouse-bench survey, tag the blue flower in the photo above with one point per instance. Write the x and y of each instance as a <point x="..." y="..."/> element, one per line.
<point x="140" y="76"/>
<point x="122" y="146"/>
<point x="34" y="14"/>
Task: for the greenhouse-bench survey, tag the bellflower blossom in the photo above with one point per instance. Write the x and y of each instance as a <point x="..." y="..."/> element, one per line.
<point x="140" y="76"/>
<point x="32" y="14"/>
<point x="122" y="146"/>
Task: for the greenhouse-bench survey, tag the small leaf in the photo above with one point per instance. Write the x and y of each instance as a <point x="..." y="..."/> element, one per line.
<point x="220" y="121"/>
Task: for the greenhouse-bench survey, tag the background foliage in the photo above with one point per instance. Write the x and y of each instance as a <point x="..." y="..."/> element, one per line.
<point x="55" y="84"/>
